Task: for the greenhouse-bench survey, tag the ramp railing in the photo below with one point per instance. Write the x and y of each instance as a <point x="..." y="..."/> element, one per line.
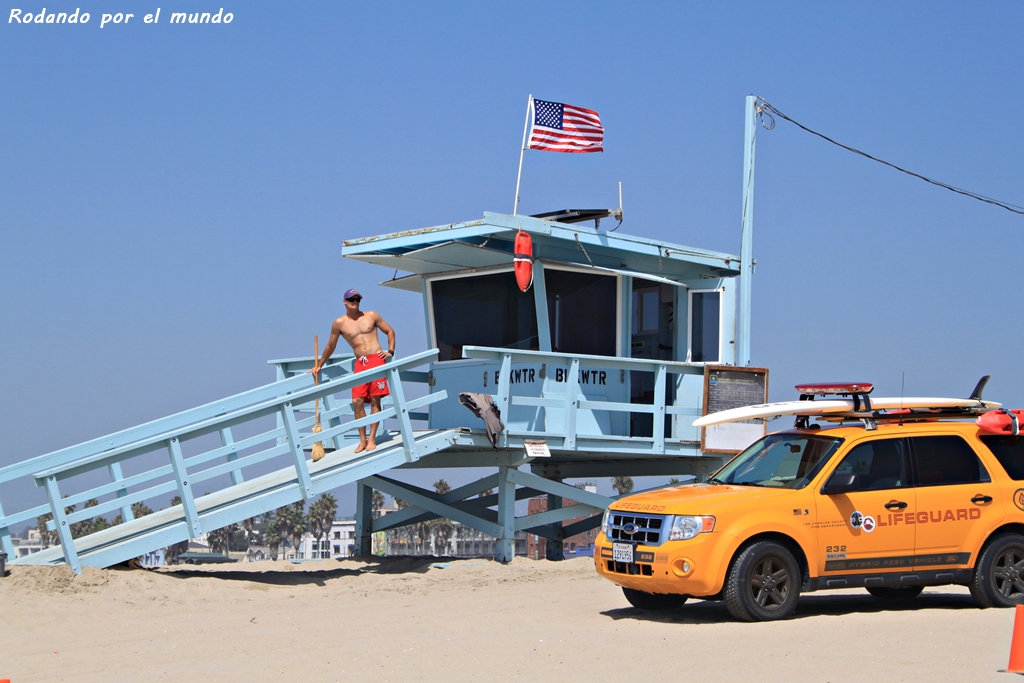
<point x="176" y="454"/>
<point x="573" y="401"/>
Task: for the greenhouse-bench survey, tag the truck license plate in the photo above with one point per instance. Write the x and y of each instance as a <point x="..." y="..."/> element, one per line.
<point x="622" y="552"/>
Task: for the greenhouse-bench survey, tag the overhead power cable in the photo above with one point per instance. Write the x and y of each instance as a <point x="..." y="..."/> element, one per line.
<point x="767" y="113"/>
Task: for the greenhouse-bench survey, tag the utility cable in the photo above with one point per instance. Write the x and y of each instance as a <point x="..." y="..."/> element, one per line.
<point x="767" y="112"/>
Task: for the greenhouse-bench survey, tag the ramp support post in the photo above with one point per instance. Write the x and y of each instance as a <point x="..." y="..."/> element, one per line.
<point x="226" y="439"/>
<point x="188" y="501"/>
<point x="67" y="543"/>
<point x="402" y="413"/>
<point x="554" y="541"/>
<point x="506" y="550"/>
<point x="364" y="519"/>
<point x="6" y="545"/>
<point x="291" y="430"/>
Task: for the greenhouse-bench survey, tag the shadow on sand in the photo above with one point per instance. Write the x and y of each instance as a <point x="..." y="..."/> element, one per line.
<point x="811" y="605"/>
<point x="317" y="573"/>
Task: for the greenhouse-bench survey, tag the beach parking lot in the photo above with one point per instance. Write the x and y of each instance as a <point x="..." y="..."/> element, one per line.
<point x="410" y="619"/>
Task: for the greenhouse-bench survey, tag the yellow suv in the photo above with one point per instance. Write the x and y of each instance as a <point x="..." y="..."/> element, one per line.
<point x="891" y="505"/>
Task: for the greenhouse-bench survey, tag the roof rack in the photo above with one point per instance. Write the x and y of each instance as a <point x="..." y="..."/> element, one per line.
<point x="858" y="391"/>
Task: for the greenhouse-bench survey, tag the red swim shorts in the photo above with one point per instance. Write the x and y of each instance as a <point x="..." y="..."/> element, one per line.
<point x="377" y="387"/>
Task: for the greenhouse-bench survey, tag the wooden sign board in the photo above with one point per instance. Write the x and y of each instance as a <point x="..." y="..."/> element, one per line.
<point x="726" y="386"/>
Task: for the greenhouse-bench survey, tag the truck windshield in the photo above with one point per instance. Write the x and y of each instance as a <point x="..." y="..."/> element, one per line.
<point x="780" y="461"/>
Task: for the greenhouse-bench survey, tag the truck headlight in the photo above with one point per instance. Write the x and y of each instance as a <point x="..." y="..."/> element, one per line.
<point x="685" y="527"/>
<point x="606" y="524"/>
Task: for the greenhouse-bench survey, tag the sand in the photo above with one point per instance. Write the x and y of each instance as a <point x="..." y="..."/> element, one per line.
<point x="404" y="619"/>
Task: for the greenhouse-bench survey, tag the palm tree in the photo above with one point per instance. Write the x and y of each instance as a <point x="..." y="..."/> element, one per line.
<point x="249" y="529"/>
<point x="296" y="523"/>
<point x="140" y="509"/>
<point x="673" y="481"/>
<point x="441" y="528"/>
<point x="321" y="516"/>
<point x="281" y="520"/>
<point x="622" y="484"/>
<point x="220" y="539"/>
<point x="377" y="500"/>
<point x="46" y="536"/>
<point x="272" y="530"/>
<point x="88" y="526"/>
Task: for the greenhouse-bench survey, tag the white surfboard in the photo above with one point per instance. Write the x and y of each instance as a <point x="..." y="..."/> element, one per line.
<point x="835" y="405"/>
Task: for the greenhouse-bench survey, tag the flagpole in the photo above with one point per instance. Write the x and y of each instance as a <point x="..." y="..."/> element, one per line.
<point x="526" y="126"/>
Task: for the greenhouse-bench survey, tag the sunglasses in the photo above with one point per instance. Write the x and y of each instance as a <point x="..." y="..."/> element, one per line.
<point x="355" y="300"/>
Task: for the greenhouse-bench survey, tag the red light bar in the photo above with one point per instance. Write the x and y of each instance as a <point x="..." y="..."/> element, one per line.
<point x="834" y="388"/>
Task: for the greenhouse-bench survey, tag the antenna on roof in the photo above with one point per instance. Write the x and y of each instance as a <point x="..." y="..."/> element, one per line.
<point x="903" y="382"/>
<point x="618" y="214"/>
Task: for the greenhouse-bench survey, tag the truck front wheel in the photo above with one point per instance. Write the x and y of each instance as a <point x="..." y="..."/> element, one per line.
<point x="763" y="583"/>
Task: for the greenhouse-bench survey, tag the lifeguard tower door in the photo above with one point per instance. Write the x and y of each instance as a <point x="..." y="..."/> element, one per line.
<point x="652" y="315"/>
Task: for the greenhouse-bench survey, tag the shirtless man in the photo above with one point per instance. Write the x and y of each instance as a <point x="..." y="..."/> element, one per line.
<point x="359" y="328"/>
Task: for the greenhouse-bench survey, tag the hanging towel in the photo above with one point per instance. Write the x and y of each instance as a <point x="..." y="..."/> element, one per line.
<point x="483" y="407"/>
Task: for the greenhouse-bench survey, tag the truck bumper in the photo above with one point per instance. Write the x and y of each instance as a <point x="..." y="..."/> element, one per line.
<point x="695" y="567"/>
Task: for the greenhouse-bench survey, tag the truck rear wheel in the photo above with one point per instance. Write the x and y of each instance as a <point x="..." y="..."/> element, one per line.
<point x="763" y="583"/>
<point x="653" y="602"/>
<point x="999" y="574"/>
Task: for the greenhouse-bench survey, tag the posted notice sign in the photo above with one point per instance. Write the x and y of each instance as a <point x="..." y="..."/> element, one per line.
<point x="537" y="448"/>
<point x="726" y="387"/>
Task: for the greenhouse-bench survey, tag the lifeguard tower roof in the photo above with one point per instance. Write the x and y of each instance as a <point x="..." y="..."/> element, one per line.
<point x="488" y="243"/>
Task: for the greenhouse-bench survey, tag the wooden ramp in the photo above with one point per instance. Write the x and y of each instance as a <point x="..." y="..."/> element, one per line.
<point x="211" y="444"/>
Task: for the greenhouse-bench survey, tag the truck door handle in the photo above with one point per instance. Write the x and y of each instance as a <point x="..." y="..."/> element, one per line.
<point x="980" y="498"/>
<point x="895" y="505"/>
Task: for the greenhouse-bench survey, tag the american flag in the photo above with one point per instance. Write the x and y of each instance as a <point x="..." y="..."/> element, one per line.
<point x="564" y="128"/>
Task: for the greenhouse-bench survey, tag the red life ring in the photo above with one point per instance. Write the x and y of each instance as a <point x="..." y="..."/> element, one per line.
<point x="522" y="259"/>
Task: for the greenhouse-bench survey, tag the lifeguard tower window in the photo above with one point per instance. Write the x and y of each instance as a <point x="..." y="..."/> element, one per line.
<point x="482" y="310"/>
<point x="582" y="312"/>
<point x="705" y="333"/>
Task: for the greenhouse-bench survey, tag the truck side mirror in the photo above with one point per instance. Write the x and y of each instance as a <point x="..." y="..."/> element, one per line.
<point x="840" y="482"/>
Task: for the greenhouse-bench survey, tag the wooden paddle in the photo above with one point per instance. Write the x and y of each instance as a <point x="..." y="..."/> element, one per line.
<point x="318" y="447"/>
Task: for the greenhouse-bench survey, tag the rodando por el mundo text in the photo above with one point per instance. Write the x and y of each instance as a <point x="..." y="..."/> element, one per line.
<point x="19" y="16"/>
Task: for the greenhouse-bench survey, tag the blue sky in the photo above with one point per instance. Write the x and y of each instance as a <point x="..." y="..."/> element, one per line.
<point x="173" y="198"/>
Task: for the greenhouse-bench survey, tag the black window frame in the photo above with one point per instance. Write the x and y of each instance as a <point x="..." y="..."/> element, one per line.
<point x="691" y="308"/>
<point x="986" y="477"/>
<point x="435" y="333"/>
<point x="908" y="472"/>
<point x="987" y="438"/>
<point x="612" y="349"/>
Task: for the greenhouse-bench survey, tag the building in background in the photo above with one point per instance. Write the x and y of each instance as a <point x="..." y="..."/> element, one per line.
<point x="338" y="544"/>
<point x="32" y="542"/>
<point x="445" y="538"/>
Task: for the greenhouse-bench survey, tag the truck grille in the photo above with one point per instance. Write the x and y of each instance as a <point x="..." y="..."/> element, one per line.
<point x="646" y="529"/>
<point x="630" y="568"/>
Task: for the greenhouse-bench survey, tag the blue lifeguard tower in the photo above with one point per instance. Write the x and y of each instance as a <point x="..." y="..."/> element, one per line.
<point x="599" y="366"/>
